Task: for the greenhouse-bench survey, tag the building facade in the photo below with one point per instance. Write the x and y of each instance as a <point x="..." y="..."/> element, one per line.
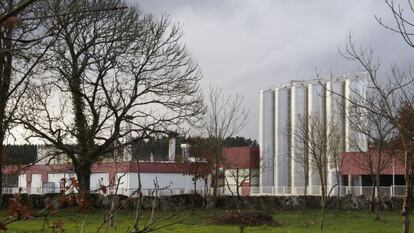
<point x="285" y="110"/>
<point x="45" y="173"/>
<point x="240" y="168"/>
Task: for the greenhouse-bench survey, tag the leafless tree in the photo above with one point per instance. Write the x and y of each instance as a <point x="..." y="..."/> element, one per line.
<point x="235" y="178"/>
<point x="20" y="54"/>
<point x="199" y="169"/>
<point x="153" y="223"/>
<point x="392" y="93"/>
<point x="318" y="139"/>
<point x="9" y="12"/>
<point x="371" y="135"/>
<point x="301" y="157"/>
<point x="402" y="90"/>
<point x="225" y="117"/>
<point x="201" y="149"/>
<point x="107" y="70"/>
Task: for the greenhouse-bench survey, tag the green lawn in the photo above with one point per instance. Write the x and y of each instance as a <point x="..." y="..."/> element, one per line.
<point x="201" y="221"/>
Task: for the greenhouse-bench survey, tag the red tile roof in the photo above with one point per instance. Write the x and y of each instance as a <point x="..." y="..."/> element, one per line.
<point x="358" y="163"/>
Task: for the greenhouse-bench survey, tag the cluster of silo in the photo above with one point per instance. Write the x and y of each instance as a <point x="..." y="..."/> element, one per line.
<point x="284" y="112"/>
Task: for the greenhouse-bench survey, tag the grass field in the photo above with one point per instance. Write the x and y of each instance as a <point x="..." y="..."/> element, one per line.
<point x="202" y="221"/>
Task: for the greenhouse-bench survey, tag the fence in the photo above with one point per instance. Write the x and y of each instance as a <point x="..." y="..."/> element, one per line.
<point x="316" y="190"/>
<point x="120" y="191"/>
<point x="394" y="191"/>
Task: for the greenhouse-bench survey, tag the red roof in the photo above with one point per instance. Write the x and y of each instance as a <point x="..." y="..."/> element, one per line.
<point x="241" y="157"/>
<point x="358" y="163"/>
<point x="144" y="167"/>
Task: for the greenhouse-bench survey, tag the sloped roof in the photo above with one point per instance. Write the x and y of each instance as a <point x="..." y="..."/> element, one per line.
<point x="358" y="163"/>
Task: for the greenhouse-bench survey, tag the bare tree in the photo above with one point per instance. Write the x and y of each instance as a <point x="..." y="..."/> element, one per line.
<point x="377" y="134"/>
<point x="106" y="70"/>
<point x="319" y="140"/>
<point x="198" y="169"/>
<point x="202" y="151"/>
<point x="235" y="178"/>
<point x="225" y="117"/>
<point x="12" y="10"/>
<point x="401" y="89"/>
<point x="153" y="222"/>
<point x="392" y="93"/>
<point x="301" y="159"/>
<point x="20" y="54"/>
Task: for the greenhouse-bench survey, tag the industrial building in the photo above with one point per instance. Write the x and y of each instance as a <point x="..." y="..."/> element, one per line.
<point x="49" y="167"/>
<point x="281" y="110"/>
<point x="45" y="168"/>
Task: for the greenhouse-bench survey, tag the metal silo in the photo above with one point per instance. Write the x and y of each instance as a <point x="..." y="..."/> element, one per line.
<point x="316" y="115"/>
<point x="298" y="113"/>
<point x="282" y="121"/>
<point x="267" y="139"/>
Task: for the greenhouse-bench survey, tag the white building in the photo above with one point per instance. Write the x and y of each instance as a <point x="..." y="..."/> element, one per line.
<point x="121" y="176"/>
<point x="280" y="111"/>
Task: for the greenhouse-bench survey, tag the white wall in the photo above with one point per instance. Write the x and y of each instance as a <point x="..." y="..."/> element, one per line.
<point x="36" y="186"/>
<point x="128" y="181"/>
<point x="22" y="181"/>
<point x="171" y="180"/>
<point x="56" y="178"/>
<point x="231" y="181"/>
<point x="95" y="177"/>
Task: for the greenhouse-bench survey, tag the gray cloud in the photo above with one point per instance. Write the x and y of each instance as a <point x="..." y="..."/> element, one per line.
<point x="242" y="46"/>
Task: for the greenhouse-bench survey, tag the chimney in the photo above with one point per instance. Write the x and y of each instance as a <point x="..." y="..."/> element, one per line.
<point x="171" y="148"/>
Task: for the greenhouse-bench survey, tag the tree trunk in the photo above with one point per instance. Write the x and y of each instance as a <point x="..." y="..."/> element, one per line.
<point x="322" y="215"/>
<point x="195" y="186"/>
<point x="5" y="81"/>
<point x="218" y="151"/>
<point x="215" y="190"/>
<point x="372" y="200"/>
<point x="323" y="201"/>
<point x="206" y="190"/>
<point x="377" y="198"/>
<point x="237" y="184"/>
<point x="1" y="169"/>
<point x="408" y="191"/>
<point x="305" y="194"/>
<point x="112" y="210"/>
<point x="338" y="194"/>
<point x="83" y="171"/>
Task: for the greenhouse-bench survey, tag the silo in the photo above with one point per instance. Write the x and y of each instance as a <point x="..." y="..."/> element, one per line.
<point x="282" y="121"/>
<point x="335" y="108"/>
<point x="298" y="114"/>
<point x="267" y="139"/>
<point x="355" y="92"/>
<point x="316" y="120"/>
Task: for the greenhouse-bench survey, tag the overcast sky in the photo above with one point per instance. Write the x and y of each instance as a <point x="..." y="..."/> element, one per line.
<point x="244" y="45"/>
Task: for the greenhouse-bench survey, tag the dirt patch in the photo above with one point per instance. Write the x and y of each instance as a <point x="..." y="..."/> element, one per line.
<point x="243" y="218"/>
